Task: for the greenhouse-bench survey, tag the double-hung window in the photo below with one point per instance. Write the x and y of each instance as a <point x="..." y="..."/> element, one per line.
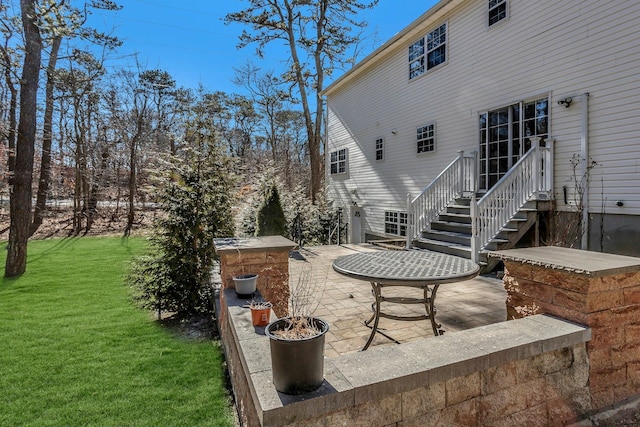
<point x="426" y="138"/>
<point x="338" y="161"/>
<point x="395" y="223"/>
<point x="497" y="11"/>
<point x="428" y="52"/>
<point x="379" y="149"/>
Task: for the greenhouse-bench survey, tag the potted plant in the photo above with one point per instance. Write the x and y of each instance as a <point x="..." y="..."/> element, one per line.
<point x="245" y="285"/>
<point x="260" y="312"/>
<point x="297" y="341"/>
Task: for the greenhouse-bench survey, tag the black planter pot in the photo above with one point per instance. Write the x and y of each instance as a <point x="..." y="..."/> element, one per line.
<point x="297" y="365"/>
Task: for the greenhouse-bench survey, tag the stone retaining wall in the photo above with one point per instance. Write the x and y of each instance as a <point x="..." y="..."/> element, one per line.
<point x="531" y="371"/>
<point x="536" y="370"/>
<point x="601" y="291"/>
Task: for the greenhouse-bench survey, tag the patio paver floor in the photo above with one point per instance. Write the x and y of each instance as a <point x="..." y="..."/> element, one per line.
<point x="346" y="303"/>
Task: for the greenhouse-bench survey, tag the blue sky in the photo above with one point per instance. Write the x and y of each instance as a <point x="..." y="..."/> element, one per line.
<point x="189" y="39"/>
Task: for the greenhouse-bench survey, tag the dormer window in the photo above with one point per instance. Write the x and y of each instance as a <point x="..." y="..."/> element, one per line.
<point x="428" y="52"/>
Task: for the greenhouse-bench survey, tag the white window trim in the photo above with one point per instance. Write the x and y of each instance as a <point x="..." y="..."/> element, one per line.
<point x="434" y="138"/>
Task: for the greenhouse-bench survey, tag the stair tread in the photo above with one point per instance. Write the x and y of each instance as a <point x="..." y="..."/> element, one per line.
<point x="439" y="221"/>
<point x="448" y="233"/>
<point x="443" y="243"/>
<point x="460" y="215"/>
<point x="451" y="231"/>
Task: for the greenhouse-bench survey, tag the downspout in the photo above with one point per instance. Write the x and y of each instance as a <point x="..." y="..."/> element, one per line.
<point x="584" y="154"/>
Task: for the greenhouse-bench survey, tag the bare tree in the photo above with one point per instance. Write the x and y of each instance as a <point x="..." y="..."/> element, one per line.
<point x="246" y="120"/>
<point x="162" y="91"/>
<point x="318" y="36"/>
<point x="268" y="98"/>
<point x="47" y="138"/>
<point x="10" y="57"/>
<point x="20" y="210"/>
<point x="68" y="22"/>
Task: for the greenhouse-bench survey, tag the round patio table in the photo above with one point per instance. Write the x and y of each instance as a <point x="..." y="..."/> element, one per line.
<point x="417" y="269"/>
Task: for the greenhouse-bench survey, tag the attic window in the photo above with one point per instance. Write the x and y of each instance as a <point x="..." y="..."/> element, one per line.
<point x="497" y="11"/>
<point x="428" y="52"/>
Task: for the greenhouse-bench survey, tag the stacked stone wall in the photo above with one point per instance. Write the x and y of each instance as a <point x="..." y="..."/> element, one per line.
<point x="608" y="302"/>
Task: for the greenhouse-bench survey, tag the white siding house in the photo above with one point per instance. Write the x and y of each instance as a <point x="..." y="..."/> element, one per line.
<point x="491" y="76"/>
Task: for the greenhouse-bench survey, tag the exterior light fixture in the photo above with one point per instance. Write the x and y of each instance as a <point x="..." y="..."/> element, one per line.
<point x="566" y="102"/>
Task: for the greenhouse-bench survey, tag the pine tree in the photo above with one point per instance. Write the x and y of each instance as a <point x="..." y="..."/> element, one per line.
<point x="271" y="220"/>
<point x="196" y="199"/>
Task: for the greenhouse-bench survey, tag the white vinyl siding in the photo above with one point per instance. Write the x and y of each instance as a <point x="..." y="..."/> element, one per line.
<point x="546" y="48"/>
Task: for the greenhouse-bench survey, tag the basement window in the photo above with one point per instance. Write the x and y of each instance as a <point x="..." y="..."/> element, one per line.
<point x="395" y="223"/>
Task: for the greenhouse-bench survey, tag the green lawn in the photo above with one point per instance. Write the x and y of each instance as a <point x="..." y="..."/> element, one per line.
<point x="75" y="352"/>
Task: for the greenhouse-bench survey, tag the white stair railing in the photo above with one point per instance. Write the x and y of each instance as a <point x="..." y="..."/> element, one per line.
<point x="530" y="179"/>
<point x="454" y="181"/>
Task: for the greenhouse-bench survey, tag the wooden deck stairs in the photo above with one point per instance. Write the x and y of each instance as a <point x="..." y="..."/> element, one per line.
<point x="450" y="233"/>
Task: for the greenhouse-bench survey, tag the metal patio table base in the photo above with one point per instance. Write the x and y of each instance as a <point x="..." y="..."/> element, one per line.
<point x="428" y="300"/>
<point x="416" y="269"/>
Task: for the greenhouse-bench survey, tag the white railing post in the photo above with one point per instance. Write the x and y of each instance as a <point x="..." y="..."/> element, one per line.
<point x="461" y="173"/>
<point x="536" y="166"/>
<point x="549" y="167"/>
<point x="410" y="221"/>
<point x="474" y="172"/>
<point x="474" y="228"/>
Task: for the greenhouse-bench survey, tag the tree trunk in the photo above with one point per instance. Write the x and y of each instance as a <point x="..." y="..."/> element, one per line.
<point x="47" y="138"/>
<point x="13" y="109"/>
<point x="132" y="187"/>
<point x="98" y="183"/>
<point x="132" y="173"/>
<point x="20" y="211"/>
<point x="80" y="189"/>
<point x="310" y="126"/>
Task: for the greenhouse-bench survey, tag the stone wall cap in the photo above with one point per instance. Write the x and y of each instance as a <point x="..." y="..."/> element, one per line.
<point x="253" y="244"/>
<point x="577" y="261"/>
